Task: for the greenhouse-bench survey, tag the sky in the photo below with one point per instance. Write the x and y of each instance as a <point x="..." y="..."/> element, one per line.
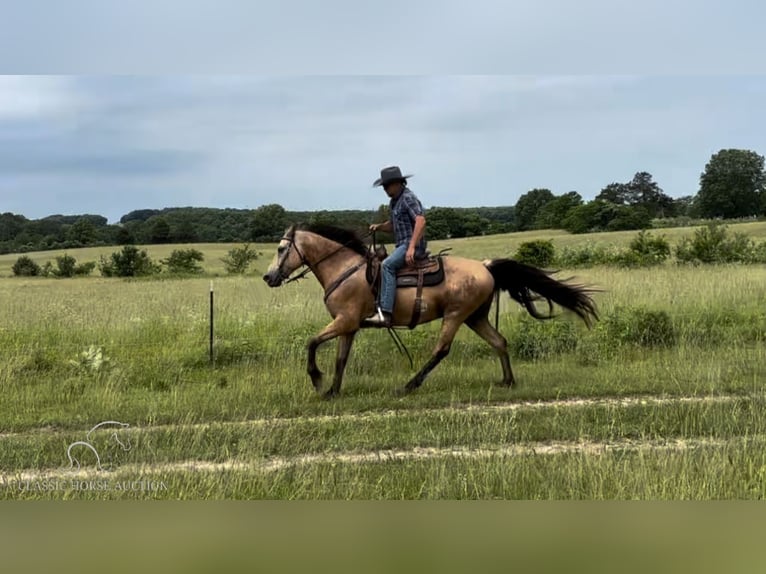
<point x="128" y="125"/>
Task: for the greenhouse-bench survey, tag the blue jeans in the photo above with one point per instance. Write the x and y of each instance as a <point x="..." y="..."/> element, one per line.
<point x="388" y="268"/>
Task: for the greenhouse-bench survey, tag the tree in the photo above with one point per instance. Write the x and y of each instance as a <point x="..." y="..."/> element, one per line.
<point x="124" y="236"/>
<point x="640" y="191"/>
<point x="555" y="211"/>
<point x="82" y="232"/>
<point x="590" y="217"/>
<point x="528" y="206"/>
<point x="160" y="231"/>
<point x="617" y="193"/>
<point x="268" y="223"/>
<point x="185" y="232"/>
<point x="732" y="184"/>
<point x="646" y="193"/>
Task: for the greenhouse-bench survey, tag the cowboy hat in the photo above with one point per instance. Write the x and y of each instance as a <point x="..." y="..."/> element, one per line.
<point x="389" y="174"/>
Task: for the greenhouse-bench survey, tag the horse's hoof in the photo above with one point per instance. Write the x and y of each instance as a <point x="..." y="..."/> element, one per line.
<point x="506" y="384"/>
<point x="404" y="391"/>
<point x="331" y="394"/>
<point x="316" y="379"/>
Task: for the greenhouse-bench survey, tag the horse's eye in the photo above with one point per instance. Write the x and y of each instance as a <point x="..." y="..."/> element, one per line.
<point x="280" y="249"/>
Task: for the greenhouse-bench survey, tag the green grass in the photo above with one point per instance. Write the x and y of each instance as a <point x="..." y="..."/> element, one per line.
<point x="256" y="403"/>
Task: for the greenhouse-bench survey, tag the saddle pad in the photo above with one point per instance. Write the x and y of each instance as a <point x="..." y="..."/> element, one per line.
<point x="433" y="274"/>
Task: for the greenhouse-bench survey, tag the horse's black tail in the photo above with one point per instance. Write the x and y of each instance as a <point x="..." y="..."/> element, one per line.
<point x="521" y="281"/>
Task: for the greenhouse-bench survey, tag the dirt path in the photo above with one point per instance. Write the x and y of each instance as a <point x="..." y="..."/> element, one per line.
<point x="274" y="464"/>
<point x="644" y="400"/>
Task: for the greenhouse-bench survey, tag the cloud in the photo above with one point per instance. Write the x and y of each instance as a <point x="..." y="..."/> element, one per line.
<point x="317" y="142"/>
<point x="35" y="97"/>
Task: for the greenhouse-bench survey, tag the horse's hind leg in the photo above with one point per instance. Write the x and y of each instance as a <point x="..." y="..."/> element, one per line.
<point x="449" y="328"/>
<point x="484" y="329"/>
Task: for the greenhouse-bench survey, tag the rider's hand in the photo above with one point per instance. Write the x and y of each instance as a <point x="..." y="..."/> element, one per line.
<point x="374" y="227"/>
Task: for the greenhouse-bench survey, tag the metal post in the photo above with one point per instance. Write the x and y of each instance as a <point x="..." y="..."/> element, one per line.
<point x="211" y="322"/>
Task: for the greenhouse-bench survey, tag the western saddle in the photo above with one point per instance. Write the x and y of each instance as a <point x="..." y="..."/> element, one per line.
<point x="426" y="271"/>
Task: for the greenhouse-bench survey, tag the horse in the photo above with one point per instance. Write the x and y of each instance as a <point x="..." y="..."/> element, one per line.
<point x="456" y="290"/>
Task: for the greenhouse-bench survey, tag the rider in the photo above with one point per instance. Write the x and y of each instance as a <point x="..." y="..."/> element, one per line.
<point x="408" y="224"/>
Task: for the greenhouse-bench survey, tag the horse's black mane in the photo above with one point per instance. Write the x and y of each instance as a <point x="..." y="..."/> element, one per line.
<point x="345" y="237"/>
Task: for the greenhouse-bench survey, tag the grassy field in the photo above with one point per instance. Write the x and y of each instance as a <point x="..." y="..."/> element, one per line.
<point x="663" y="399"/>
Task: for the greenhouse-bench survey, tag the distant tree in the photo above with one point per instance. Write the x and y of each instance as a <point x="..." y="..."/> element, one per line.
<point x="616" y="193"/>
<point x="732" y="184"/>
<point x="124" y="236"/>
<point x="11" y="225"/>
<point x="629" y="217"/>
<point x="646" y="193"/>
<point x="553" y="213"/>
<point x="82" y="232"/>
<point x="590" y="217"/>
<point x="529" y="205"/>
<point x="185" y="232"/>
<point x="159" y="231"/>
<point x="268" y="222"/>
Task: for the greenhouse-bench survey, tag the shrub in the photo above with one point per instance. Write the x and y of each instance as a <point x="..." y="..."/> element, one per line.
<point x="650" y="247"/>
<point x="25" y="267"/>
<point x="239" y="259"/>
<point x="638" y="326"/>
<point x="644" y="250"/>
<point x="539" y="253"/>
<point x="714" y="244"/>
<point x="585" y="256"/>
<point x="85" y="268"/>
<point x="65" y="266"/>
<point x="534" y="339"/>
<point x="184" y="261"/>
<point x="130" y="262"/>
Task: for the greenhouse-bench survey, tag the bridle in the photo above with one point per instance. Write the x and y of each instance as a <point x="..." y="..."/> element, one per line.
<point x="291" y="244"/>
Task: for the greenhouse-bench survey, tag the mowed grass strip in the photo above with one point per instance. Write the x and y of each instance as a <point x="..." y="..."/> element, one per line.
<point x="664" y="470"/>
<point x="482" y="428"/>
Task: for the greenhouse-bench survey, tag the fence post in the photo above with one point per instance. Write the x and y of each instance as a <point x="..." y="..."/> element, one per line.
<point x="211" y="322"/>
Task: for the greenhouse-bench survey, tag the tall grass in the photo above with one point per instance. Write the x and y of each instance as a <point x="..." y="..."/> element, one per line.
<point x="84" y="350"/>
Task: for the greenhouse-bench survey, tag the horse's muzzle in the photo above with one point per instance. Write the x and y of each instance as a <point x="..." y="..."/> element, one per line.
<point x="273" y="279"/>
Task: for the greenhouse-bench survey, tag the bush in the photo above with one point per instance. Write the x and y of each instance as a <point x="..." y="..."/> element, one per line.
<point x="714" y="244"/>
<point x="130" y="262"/>
<point x="645" y="249"/>
<point x="85" y="268"/>
<point x="539" y="253"/>
<point x="184" y="261"/>
<point x="65" y="266"/>
<point x="239" y="259"/>
<point x="25" y="267"/>
<point x="587" y="256"/>
<point x="638" y="326"/>
<point x="534" y="339"/>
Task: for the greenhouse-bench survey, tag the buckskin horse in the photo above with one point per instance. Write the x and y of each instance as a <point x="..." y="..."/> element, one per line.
<point x="456" y="289"/>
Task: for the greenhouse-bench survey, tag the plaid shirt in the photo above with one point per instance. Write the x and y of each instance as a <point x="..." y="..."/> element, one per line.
<point x="403" y="211"/>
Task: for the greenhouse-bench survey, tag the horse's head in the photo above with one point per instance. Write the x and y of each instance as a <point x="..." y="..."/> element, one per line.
<point x="286" y="260"/>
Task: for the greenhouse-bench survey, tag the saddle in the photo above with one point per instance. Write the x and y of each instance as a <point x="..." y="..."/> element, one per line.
<point x="427" y="271"/>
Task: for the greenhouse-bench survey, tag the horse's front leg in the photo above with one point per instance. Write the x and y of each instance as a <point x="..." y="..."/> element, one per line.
<point x="334" y="329"/>
<point x="344" y="348"/>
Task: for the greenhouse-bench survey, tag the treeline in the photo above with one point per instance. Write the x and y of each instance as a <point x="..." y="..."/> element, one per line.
<point x="731" y="187"/>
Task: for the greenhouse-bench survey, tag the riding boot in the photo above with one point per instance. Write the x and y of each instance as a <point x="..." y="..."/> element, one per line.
<point x="380" y="319"/>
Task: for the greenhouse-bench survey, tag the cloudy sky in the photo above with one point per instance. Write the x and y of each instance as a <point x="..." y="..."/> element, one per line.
<point x="95" y="137"/>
